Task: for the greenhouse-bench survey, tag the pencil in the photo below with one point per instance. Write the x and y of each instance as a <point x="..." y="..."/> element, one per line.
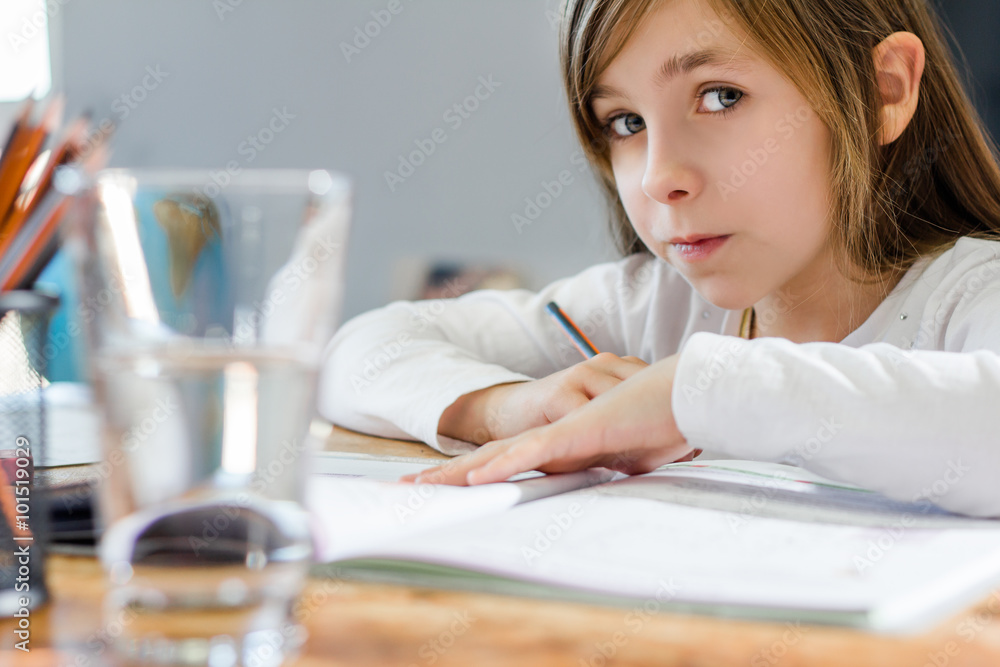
<point x="22" y="153"/>
<point x="32" y="194"/>
<point x="581" y="342"/>
<point x="27" y="255"/>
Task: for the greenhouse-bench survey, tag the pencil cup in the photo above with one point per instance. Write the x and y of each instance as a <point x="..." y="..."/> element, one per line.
<point x="24" y="320"/>
<point x="208" y="305"/>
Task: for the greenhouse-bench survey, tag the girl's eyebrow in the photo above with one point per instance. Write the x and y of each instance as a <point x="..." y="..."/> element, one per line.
<point x="678" y="64"/>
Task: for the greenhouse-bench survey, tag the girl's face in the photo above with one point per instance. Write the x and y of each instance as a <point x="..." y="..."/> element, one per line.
<point x="723" y="167"/>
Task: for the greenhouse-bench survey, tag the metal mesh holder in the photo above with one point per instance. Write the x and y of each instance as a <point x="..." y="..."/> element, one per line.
<point x="24" y="320"/>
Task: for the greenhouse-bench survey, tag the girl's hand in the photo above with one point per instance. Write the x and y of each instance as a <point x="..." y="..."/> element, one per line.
<point x="629" y="428"/>
<point x="504" y="411"/>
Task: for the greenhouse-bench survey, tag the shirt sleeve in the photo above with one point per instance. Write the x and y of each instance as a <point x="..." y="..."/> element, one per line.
<point x="392" y="372"/>
<point x="916" y="425"/>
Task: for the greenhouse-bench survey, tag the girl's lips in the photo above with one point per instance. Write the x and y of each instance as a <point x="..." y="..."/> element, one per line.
<point x="700" y="250"/>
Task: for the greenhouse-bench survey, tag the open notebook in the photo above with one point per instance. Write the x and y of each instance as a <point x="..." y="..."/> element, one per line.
<point x="732" y="538"/>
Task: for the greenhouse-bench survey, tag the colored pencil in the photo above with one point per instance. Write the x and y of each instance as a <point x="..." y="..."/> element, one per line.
<point x="579" y="340"/>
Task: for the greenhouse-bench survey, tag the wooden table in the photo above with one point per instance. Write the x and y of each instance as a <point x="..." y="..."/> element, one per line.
<point x="368" y="624"/>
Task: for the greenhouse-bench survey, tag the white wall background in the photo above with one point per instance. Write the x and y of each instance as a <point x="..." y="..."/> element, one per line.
<point x="227" y="70"/>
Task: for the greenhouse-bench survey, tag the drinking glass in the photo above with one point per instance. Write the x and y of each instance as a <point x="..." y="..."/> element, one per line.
<point x="207" y="303"/>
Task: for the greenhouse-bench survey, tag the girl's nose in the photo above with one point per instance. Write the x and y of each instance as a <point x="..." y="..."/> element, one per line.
<point x="669" y="178"/>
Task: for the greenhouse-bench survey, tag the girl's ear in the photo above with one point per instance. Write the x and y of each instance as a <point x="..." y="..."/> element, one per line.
<point x="899" y="65"/>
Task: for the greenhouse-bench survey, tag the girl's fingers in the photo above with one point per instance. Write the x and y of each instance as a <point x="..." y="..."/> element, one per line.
<point x="454" y="471"/>
<point x="505" y="466"/>
<point x="530" y="451"/>
<point x="636" y="361"/>
<point x="621" y="368"/>
<point x="435" y="475"/>
<point x="598" y="384"/>
<point x="565" y="404"/>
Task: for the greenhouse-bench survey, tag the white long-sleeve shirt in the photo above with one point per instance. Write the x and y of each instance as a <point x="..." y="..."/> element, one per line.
<point x="908" y="404"/>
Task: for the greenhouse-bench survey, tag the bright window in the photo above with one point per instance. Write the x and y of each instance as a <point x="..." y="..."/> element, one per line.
<point x="24" y="48"/>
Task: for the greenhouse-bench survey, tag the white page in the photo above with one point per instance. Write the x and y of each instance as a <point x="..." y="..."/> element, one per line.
<point x="605" y="542"/>
<point x="391" y="468"/>
<point x="355" y="515"/>
<point x="347" y="465"/>
<point x="749" y="489"/>
<point x="72" y="426"/>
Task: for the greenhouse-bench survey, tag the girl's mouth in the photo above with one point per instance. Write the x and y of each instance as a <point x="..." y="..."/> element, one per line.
<point x="698" y="249"/>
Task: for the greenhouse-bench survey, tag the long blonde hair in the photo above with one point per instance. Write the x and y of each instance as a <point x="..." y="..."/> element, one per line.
<point x="892" y="204"/>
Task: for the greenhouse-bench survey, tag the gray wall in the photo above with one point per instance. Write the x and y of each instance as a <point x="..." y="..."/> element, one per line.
<point x="224" y="73"/>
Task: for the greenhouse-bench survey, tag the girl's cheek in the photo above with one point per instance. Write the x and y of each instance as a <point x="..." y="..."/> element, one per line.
<point x="628" y="180"/>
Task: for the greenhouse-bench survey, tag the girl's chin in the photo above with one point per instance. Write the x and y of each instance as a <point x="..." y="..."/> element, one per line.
<point x="725" y="293"/>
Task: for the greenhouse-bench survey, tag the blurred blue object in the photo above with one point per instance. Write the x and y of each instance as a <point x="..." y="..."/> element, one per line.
<point x="65" y="347"/>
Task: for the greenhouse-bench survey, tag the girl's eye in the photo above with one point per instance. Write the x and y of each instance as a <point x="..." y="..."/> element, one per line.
<point x="720" y="99"/>
<point x="626" y="125"/>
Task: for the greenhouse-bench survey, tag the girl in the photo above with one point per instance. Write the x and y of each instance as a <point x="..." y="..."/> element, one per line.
<point x="806" y="199"/>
